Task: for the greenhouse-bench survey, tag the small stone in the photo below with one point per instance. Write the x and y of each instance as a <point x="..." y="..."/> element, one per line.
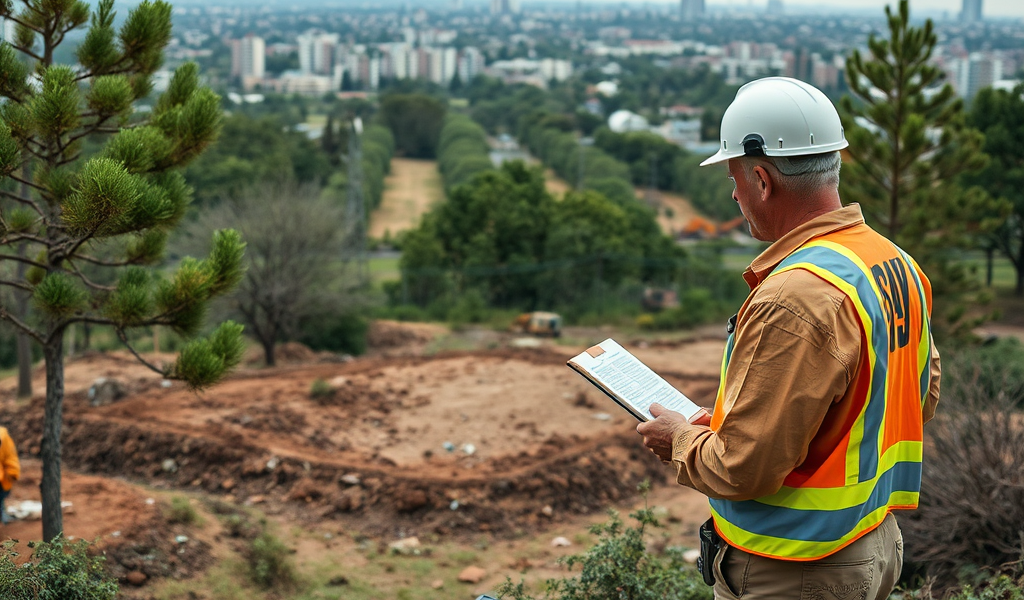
<point x="257" y="499"/>
<point x="228" y="484"/>
<point x="561" y="542"/>
<point x="169" y="466"/>
<point x="472" y="575"/>
<point x="691" y="556"/>
<point x="150" y="501"/>
<point x="450" y="447"/>
<point x="437" y="584"/>
<point x="469" y="449"/>
<point x="272" y="463"/>
<point x="408" y="545"/>
<point x="350" y="479"/>
<point x="106" y="391"/>
<point x="116" y="534"/>
<point x="547" y="511"/>
<point x="603" y="417"/>
<point x="136" y="578"/>
<point x="166" y="383"/>
<point x="454" y="505"/>
<point x="181" y="539"/>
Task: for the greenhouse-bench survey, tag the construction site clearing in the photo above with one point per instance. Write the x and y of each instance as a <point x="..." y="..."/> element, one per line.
<point x="405" y="441"/>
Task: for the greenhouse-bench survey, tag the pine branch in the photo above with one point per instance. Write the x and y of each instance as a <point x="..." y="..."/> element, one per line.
<point x="28" y="183"/>
<point x="78" y="244"/>
<point x="24" y="23"/>
<point x="17" y="237"/>
<point x="88" y="282"/>
<point x="17" y="284"/>
<point x="30" y="53"/>
<point x="5" y="315"/>
<point x="22" y="259"/>
<point x="24" y="201"/>
<point x="103" y="263"/>
<point x="124" y="340"/>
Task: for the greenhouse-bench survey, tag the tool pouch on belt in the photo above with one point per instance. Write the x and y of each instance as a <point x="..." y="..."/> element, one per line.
<point x="710" y="543"/>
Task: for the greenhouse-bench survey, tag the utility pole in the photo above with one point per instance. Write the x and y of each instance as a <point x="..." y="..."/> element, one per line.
<point x="356" y="207"/>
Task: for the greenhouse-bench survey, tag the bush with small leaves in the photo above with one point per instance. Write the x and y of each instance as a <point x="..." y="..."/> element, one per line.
<point x="269" y="562"/>
<point x="619" y="566"/>
<point x="59" y="570"/>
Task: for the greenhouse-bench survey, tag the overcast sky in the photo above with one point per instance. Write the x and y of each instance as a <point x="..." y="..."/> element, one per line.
<point x="991" y="8"/>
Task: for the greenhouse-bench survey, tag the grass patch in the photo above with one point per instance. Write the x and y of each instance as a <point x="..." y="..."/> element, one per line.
<point x="182" y="512"/>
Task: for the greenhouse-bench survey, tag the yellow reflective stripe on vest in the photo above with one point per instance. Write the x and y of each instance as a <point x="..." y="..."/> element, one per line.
<point x="850" y="495"/>
<point x="804" y="550"/>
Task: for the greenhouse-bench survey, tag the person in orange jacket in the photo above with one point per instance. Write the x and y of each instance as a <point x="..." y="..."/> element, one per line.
<point x="10" y="469"/>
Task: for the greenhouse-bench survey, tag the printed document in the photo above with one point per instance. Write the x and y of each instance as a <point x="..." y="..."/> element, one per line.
<point x="631" y="383"/>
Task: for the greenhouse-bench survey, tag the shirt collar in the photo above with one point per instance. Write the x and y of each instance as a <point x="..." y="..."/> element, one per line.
<point x="766" y="262"/>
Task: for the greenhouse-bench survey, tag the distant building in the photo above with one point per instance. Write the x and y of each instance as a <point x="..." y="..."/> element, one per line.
<point x="692" y="10"/>
<point x="504" y="7"/>
<point x="471" y="64"/>
<point x="623" y="121"/>
<point x="979" y="71"/>
<point x="971" y="12"/>
<point x="248" y="60"/>
<point x="316" y="52"/>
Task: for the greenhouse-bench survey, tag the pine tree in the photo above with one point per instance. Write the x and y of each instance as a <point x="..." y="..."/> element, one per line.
<point x="911" y="145"/>
<point x="109" y="212"/>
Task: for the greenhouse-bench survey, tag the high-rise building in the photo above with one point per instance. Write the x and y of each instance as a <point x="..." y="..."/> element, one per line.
<point x="692" y="9"/>
<point x="471" y="64"/>
<point x="504" y="7"/>
<point x="971" y="12"/>
<point x="248" y="60"/>
<point x="316" y="52"/>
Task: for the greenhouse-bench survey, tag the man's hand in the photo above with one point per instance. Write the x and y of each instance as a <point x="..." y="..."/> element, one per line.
<point x="659" y="433"/>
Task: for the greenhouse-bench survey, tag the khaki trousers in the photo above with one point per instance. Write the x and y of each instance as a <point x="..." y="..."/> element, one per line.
<point x="865" y="570"/>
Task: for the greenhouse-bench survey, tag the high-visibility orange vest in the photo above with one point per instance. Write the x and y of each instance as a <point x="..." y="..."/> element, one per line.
<point x="876" y="466"/>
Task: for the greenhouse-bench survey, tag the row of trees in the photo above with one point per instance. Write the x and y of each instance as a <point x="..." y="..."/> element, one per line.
<point x="462" y="150"/>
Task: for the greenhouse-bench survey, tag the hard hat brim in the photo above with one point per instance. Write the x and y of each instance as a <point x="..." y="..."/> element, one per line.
<point x="722" y="155"/>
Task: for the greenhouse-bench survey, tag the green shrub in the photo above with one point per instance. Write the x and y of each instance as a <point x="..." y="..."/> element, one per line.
<point x="182" y="512"/>
<point x="471" y="307"/>
<point x="971" y="513"/>
<point x="59" y="570"/>
<point x="619" y="566"/>
<point x="336" y="333"/>
<point x="696" y="307"/>
<point x="998" y="588"/>
<point x="320" y="390"/>
<point x="269" y="562"/>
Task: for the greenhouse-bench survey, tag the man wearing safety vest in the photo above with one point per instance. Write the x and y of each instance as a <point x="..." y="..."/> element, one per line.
<point x="828" y="377"/>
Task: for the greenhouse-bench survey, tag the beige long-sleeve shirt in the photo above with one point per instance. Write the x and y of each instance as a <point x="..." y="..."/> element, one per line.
<point x="788" y="391"/>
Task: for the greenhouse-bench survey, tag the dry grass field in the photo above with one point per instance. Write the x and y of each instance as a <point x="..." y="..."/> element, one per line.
<point x="409" y="191"/>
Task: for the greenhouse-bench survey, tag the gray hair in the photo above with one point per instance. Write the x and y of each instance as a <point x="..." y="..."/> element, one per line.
<point x="803" y="174"/>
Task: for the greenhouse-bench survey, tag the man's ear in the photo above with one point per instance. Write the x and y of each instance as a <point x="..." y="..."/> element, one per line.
<point x="763" y="181"/>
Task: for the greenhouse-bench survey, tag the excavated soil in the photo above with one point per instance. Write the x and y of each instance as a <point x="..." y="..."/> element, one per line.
<point x="389" y="446"/>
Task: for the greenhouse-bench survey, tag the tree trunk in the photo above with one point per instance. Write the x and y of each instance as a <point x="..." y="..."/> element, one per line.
<point x="24" y="342"/>
<point x="24" y="366"/>
<point x="268" y="353"/>
<point x="989" y="252"/>
<point x="49" y="488"/>
<point x="1018" y="266"/>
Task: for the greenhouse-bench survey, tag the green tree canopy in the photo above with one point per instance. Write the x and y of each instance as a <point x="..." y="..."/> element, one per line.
<point x="999" y="114"/>
<point x="111" y="212"/>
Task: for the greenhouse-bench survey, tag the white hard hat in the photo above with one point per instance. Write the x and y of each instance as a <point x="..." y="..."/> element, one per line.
<point x="779" y="116"/>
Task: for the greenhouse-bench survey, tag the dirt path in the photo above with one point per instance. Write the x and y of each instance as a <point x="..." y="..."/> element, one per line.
<point x="409" y="191"/>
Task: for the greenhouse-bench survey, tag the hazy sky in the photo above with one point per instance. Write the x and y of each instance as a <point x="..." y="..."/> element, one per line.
<point x="992" y="8"/>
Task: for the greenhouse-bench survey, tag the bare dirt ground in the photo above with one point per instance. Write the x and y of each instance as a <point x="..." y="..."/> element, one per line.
<point x="682" y="212"/>
<point x="504" y="443"/>
<point x="409" y="191"/>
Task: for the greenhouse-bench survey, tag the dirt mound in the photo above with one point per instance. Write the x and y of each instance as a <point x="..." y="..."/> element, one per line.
<point x="454" y="443"/>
